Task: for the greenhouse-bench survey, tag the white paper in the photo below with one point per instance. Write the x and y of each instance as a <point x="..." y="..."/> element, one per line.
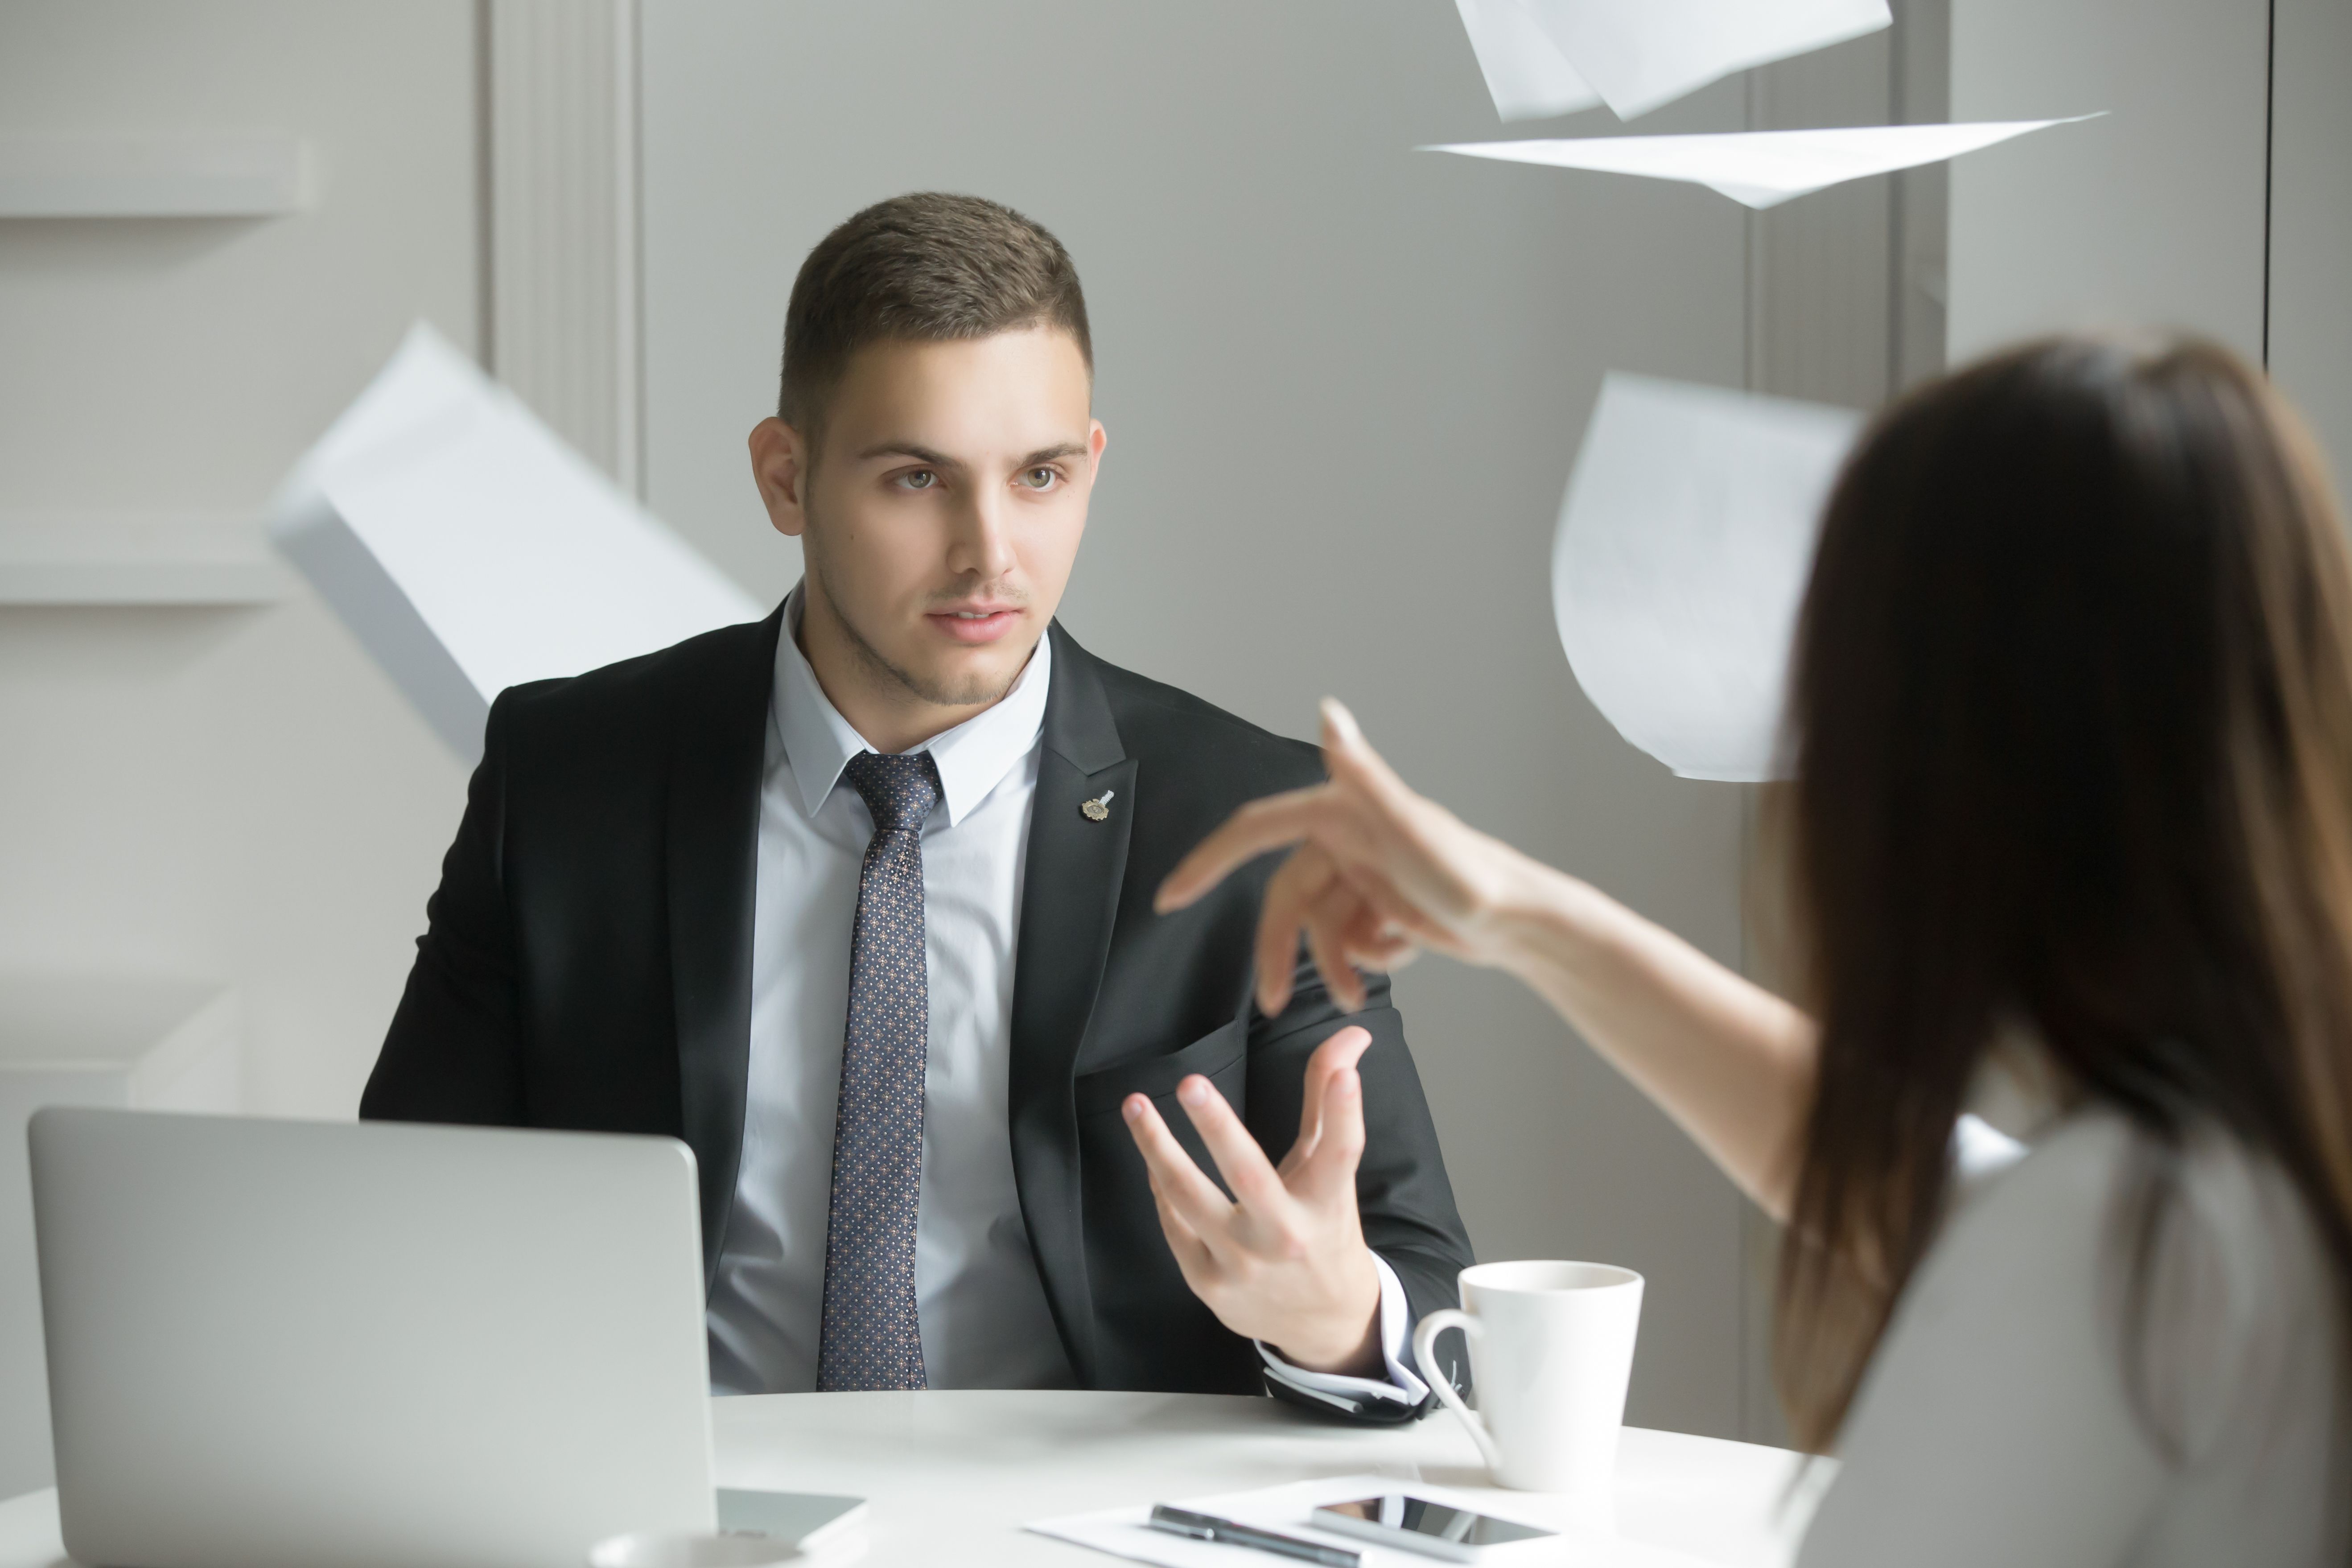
<point x="470" y="550"/>
<point x="1124" y="1532"/>
<point x="1685" y="542"/>
<point x="1526" y="75"/>
<point x="1762" y="168"/>
<point x="1639" y="54"/>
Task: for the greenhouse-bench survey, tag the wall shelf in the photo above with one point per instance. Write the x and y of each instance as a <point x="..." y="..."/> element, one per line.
<point x="140" y="1042"/>
<point x="219" y="175"/>
<point x="161" y="1043"/>
<point x="103" y="560"/>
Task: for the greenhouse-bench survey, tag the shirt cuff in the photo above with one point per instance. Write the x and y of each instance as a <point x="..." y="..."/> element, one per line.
<point x="1396" y="1320"/>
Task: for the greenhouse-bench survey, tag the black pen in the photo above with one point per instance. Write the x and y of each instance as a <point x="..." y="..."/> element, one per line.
<point x="1209" y="1527"/>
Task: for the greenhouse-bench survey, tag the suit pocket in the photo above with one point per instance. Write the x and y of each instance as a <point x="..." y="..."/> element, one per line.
<point x="1106" y="1088"/>
<point x="1151" y="1331"/>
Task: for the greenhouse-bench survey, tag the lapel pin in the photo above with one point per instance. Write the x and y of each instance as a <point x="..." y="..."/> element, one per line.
<point x="1098" y="808"/>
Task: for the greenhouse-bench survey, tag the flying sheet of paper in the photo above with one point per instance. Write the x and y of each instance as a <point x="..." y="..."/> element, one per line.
<point x="1684" y="545"/>
<point x="1762" y="168"/>
<point x="1639" y="54"/>
<point x="468" y="549"/>
<point x="1526" y="75"/>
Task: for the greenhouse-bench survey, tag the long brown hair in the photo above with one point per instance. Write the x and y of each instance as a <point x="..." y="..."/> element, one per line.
<point x="2071" y="719"/>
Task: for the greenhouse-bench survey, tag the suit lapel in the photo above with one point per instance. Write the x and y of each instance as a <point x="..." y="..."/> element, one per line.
<point x="1069" y="901"/>
<point x="713" y="866"/>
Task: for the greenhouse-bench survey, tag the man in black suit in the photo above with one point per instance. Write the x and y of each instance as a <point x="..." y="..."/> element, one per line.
<point x="857" y="900"/>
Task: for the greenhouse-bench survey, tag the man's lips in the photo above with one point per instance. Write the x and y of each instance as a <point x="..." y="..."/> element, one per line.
<point x="976" y="623"/>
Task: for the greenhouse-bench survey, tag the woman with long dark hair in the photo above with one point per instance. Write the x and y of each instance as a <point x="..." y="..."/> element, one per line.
<point x="2070" y="736"/>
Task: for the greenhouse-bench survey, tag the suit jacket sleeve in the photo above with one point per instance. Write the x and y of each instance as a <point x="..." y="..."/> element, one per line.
<point x="454" y="1050"/>
<point x="1401" y="1192"/>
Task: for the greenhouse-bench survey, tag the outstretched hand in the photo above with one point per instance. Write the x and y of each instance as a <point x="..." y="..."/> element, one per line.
<point x="1379" y="873"/>
<point x="1283" y="1260"/>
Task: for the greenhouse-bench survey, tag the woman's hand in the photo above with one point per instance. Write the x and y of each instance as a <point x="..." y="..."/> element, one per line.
<point x="1379" y="873"/>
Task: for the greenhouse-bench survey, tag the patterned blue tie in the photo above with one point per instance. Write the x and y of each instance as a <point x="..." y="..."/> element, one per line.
<point x="871" y="1338"/>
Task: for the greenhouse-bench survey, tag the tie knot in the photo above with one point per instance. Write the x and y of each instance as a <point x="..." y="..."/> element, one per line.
<point x="898" y="791"/>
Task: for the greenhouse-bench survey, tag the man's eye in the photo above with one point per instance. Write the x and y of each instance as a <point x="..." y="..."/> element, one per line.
<point x="1040" y="478"/>
<point x="920" y="480"/>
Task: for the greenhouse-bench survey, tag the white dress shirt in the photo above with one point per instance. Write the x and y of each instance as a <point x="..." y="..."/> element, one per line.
<point x="981" y="1305"/>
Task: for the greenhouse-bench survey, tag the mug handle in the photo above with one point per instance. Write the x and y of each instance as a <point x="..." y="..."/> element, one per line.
<point x="1424" y="1346"/>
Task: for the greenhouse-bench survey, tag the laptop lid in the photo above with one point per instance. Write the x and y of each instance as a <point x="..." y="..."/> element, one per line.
<point x="281" y="1343"/>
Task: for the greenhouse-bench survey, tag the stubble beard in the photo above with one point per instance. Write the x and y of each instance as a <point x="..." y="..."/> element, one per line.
<point x="976" y="690"/>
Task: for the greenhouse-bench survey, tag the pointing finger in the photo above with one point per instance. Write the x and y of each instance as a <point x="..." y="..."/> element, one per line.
<point x="1260" y="826"/>
<point x="1301" y="879"/>
<point x="1327" y="927"/>
<point x="1350" y="760"/>
<point x="1328" y="920"/>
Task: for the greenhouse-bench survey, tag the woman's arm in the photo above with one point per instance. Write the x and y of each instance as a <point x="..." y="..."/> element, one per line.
<point x="1729" y="1061"/>
<point x="1381" y="872"/>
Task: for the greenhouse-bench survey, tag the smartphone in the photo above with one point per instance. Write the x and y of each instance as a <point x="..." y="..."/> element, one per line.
<point x="1432" y="1529"/>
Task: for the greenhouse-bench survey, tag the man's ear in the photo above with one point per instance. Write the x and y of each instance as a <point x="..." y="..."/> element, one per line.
<point x="780" y="467"/>
<point x="1097" y="439"/>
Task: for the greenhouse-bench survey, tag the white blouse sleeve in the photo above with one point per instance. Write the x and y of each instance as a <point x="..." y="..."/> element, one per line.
<point x="1993" y="1425"/>
<point x="1980" y="1150"/>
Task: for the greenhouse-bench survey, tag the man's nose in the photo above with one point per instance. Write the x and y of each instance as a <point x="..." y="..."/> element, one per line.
<point x="983" y="545"/>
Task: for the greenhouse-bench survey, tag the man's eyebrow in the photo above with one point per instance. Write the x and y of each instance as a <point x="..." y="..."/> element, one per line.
<point x="909" y="449"/>
<point x="1048" y="454"/>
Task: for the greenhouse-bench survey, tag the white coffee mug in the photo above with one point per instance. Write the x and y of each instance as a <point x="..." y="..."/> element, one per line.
<point x="1551" y="1347"/>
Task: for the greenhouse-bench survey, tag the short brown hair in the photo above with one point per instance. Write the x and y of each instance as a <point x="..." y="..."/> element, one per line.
<point x="927" y="268"/>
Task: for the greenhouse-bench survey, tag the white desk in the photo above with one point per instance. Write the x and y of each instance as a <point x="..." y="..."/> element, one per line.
<point x="953" y="1476"/>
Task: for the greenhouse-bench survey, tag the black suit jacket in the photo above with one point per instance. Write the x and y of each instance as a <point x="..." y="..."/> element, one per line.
<point x="588" y="964"/>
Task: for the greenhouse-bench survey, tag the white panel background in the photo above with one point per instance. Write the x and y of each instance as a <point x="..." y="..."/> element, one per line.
<point x="233" y="796"/>
<point x="1343" y="382"/>
<point x="2153" y="215"/>
<point x="221" y="796"/>
<point x="2311" y="219"/>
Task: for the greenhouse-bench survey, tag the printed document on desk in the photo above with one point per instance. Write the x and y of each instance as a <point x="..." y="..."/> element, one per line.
<point x="1126" y="1533"/>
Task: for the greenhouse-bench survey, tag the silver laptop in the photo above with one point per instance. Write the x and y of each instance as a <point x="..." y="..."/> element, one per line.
<point x="283" y="1343"/>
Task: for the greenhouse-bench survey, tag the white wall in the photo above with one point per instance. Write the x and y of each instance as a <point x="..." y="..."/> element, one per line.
<point x="2310" y="324"/>
<point x="2153" y="215"/>
<point x="2213" y="197"/>
<point x="1344" y="382"/>
<point x="223" y="796"/>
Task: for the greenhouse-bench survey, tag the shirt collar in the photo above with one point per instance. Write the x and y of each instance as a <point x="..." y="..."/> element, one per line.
<point x="972" y="758"/>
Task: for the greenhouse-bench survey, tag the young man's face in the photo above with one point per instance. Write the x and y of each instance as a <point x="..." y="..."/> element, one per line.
<point x="942" y="511"/>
